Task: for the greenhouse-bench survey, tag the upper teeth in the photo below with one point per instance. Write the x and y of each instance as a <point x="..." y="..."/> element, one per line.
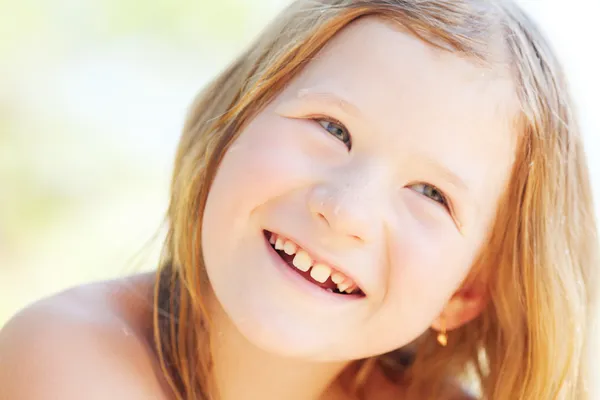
<point x="290" y="248"/>
<point x="302" y="261"/>
<point x="319" y="271"/>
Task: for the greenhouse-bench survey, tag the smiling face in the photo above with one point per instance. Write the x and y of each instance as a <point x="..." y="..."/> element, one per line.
<point x="383" y="161"/>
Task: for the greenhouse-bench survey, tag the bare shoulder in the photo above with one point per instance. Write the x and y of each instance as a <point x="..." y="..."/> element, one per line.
<point x="86" y="343"/>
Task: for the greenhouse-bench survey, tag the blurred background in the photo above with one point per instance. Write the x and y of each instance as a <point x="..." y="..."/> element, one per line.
<point x="93" y="94"/>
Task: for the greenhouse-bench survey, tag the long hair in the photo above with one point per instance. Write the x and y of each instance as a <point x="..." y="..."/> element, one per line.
<point x="538" y="263"/>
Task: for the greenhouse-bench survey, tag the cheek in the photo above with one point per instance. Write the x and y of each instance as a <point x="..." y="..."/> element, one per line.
<point x="431" y="265"/>
<point x="262" y="164"/>
<point x="427" y="268"/>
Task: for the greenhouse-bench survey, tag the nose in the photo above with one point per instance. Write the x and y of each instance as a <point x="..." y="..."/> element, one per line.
<point x="344" y="209"/>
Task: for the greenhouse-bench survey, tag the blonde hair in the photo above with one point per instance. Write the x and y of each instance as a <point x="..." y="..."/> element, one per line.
<point x="530" y="342"/>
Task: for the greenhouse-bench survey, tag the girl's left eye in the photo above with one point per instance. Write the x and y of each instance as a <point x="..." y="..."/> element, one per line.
<point x="431" y="192"/>
<point x="338" y="130"/>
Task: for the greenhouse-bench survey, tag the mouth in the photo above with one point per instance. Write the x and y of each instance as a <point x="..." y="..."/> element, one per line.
<point x="316" y="272"/>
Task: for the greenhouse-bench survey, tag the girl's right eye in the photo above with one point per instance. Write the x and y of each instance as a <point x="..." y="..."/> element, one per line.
<point x="337" y="129"/>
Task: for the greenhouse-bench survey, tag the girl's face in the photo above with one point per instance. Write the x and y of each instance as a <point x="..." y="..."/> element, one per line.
<point x="382" y="164"/>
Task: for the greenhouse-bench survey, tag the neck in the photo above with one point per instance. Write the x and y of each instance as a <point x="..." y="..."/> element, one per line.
<point x="244" y="371"/>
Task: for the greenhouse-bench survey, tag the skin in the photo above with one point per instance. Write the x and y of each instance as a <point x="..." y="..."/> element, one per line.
<point x="416" y="117"/>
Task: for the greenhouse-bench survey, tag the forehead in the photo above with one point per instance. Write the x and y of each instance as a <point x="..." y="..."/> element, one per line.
<point x="411" y="95"/>
<point x="389" y="70"/>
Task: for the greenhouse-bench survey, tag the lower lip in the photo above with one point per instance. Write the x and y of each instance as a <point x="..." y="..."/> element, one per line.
<point x="306" y="286"/>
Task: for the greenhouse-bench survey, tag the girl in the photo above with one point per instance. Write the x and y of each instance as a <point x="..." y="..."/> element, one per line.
<point x="377" y="200"/>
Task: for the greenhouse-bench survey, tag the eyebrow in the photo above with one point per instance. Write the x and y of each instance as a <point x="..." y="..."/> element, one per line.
<point x="345" y="106"/>
<point x="329" y="99"/>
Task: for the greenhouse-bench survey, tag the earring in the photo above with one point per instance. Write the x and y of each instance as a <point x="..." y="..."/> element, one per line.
<point x="442" y="336"/>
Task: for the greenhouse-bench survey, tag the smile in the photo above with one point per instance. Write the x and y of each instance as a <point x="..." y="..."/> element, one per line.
<point x="318" y="273"/>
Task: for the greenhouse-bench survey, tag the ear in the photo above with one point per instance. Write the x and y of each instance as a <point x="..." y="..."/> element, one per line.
<point x="464" y="306"/>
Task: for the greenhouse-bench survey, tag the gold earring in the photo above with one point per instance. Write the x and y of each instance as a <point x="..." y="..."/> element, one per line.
<point x="442" y="336"/>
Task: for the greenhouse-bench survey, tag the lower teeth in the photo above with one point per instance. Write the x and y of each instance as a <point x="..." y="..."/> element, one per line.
<point x="336" y="291"/>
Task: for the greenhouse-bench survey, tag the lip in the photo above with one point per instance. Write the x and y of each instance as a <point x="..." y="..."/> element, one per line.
<point x="304" y="285"/>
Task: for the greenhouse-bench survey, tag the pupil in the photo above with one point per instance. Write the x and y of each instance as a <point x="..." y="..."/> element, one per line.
<point x="337" y="131"/>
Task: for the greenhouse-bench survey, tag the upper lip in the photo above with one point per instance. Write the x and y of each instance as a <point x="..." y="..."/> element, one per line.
<point x="317" y="256"/>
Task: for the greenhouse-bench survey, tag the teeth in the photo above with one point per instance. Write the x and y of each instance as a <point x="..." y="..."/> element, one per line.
<point x="290" y="248"/>
<point x="344" y="286"/>
<point x="279" y="244"/>
<point x="320" y="272"/>
<point x="338" y="277"/>
<point x="302" y="261"/>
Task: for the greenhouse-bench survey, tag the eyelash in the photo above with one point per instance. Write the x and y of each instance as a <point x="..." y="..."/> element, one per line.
<point x="346" y="141"/>
<point x="443" y="200"/>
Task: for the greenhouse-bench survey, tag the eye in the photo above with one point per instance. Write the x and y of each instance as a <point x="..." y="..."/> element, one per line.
<point x="337" y="130"/>
<point x="431" y="192"/>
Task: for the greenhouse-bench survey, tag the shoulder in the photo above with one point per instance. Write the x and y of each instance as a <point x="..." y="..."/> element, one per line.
<point x="78" y="344"/>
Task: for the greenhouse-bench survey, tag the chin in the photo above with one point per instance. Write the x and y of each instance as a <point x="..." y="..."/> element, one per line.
<point x="291" y="339"/>
<point x="280" y="327"/>
<point x="276" y="313"/>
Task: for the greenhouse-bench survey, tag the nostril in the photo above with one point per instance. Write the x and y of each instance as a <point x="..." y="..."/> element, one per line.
<point x="322" y="217"/>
